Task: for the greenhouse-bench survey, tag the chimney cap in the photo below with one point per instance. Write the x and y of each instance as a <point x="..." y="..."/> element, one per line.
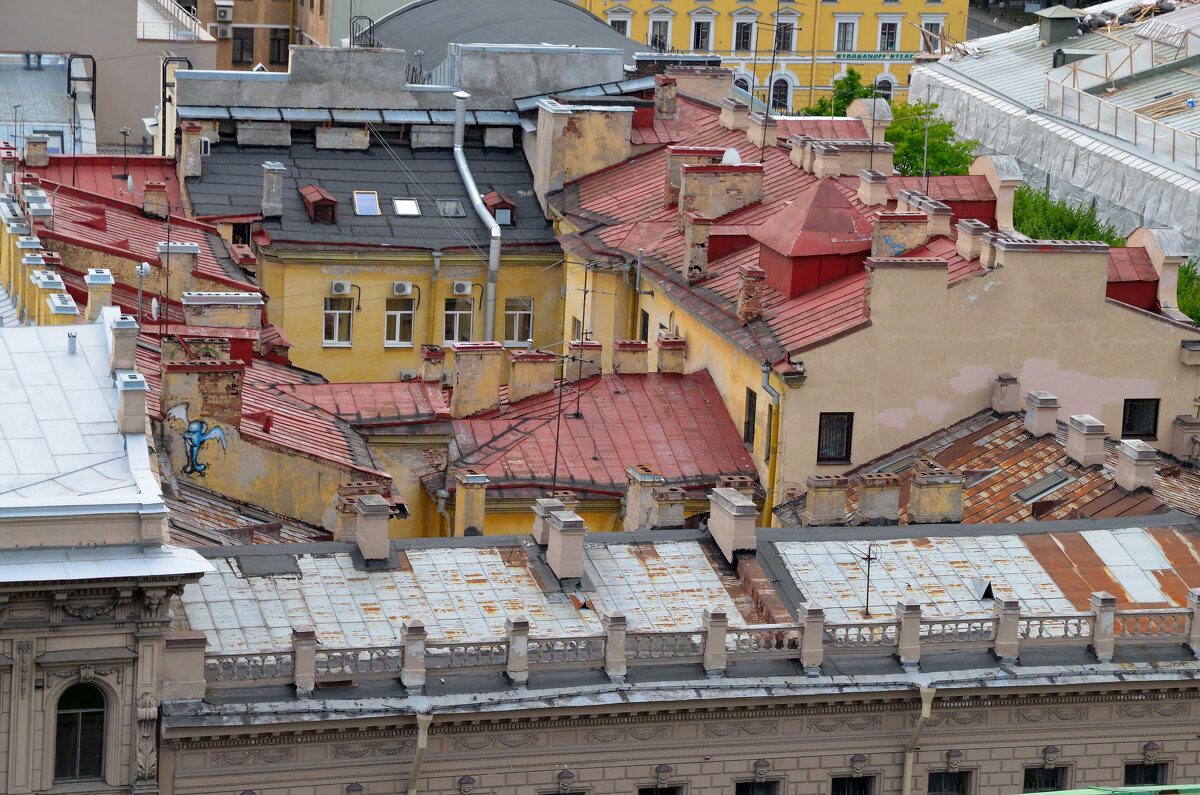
<point x="973" y="226"/>
<point x="643" y="473"/>
<point x="566" y="522"/>
<point x="1086" y="423"/>
<point x="1137" y="450"/>
<point x="177" y="247"/>
<point x="128" y="380"/>
<point x="873" y="177"/>
<point x="1041" y="400"/>
<point x="98" y="276"/>
<point x="372" y="505"/>
<point x="273" y="165"/>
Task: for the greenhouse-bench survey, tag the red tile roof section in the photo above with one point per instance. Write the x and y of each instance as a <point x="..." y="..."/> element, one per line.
<point x="1130" y="265"/>
<point x="844" y="129"/>
<point x="384" y="403"/>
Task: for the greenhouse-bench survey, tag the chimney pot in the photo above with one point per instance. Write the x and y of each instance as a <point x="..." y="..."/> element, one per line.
<point x="879" y="498"/>
<point x="1006" y="394"/>
<point x="641" y="480"/>
<point x="1136" y="462"/>
<point x="433" y="360"/>
<point x="731" y="521"/>
<point x="542" y="508"/>
<point x="826" y="502"/>
<point x="154" y="200"/>
<point x="672" y="353"/>
<point x="585" y="360"/>
<point x="751" y="284"/>
<point x="564" y="545"/>
<point x="970" y="238"/>
<point x="667" y="507"/>
<point x="530" y="373"/>
<point x="1041" y="413"/>
<point x="272" y="191"/>
<point x="470" y="498"/>
<point x="131" y="412"/>
<point x="629" y="356"/>
<point x="1085" y="440"/>
<point x="734" y="114"/>
<point x="872" y="188"/>
<point x="371" y="527"/>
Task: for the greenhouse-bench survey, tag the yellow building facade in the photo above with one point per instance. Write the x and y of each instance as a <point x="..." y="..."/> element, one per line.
<point x="792" y="52"/>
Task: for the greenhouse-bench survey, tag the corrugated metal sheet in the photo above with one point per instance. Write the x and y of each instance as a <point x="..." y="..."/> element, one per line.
<point x="305" y="114"/>
<point x="254" y="114"/>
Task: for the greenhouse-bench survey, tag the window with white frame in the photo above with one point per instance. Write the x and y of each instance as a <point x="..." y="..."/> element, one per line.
<point x="845" y="32"/>
<point x="398" y="322"/>
<point x="619" y="24"/>
<point x="932" y="25"/>
<point x="785" y="34"/>
<point x="339" y="313"/>
<point x="885" y="86"/>
<point x="743" y="35"/>
<point x="458" y="316"/>
<point x="889" y="32"/>
<point x="660" y="33"/>
<point x="781" y="94"/>
<point x="518" y="320"/>
<point x="702" y="34"/>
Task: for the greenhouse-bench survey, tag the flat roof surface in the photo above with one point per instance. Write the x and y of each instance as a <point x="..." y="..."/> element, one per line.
<point x="90" y="563"/>
<point x="59" y="443"/>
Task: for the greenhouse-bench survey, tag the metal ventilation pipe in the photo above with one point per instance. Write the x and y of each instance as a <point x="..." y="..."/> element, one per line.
<point x="464" y="173"/>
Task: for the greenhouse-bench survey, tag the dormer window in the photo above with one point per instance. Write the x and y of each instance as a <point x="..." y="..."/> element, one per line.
<point x="503" y="209"/>
<point x="322" y="208"/>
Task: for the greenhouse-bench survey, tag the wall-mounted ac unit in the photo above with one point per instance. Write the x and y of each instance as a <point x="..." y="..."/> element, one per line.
<point x="461" y="288"/>
<point x="408" y="375"/>
<point x="224" y="13"/>
<point x="340" y="288"/>
<point x="224" y="31"/>
<point x="402" y="288"/>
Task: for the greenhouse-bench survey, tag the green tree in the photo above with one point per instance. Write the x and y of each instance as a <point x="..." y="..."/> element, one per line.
<point x="1189" y="290"/>
<point x="845" y="91"/>
<point x="1041" y="217"/>
<point x="947" y="153"/>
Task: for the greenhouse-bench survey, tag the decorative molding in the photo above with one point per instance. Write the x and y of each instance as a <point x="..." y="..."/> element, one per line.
<point x="1051" y="713"/>
<point x="961" y="718"/>
<point x="1143" y="710"/>
<point x="88" y="612"/>
<point x="642" y="733"/>
<point x="752" y="728"/>
<point x="864" y="723"/>
<point x="373" y="748"/>
<point x="24" y="662"/>
<point x="267" y="756"/>
<point x="492" y="740"/>
<point x="147" y="746"/>
<point x="87" y="673"/>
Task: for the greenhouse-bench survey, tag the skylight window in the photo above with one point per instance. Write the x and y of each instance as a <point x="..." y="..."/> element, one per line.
<point x="1043" y="487"/>
<point x="450" y="208"/>
<point x="366" y="202"/>
<point x="406" y="207"/>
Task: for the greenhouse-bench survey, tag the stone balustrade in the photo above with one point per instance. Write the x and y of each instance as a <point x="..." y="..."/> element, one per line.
<point x="715" y="646"/>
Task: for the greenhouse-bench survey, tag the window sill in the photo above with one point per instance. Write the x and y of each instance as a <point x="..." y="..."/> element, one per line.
<point x="398" y="345"/>
<point x="1150" y="437"/>
<point x="337" y="345"/>
<point x="831" y="461"/>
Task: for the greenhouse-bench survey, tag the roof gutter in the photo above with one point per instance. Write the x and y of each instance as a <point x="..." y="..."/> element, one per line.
<point x="464" y="172"/>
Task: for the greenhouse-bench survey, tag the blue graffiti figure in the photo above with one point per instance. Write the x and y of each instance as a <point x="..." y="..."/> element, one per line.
<point x="194" y="437"/>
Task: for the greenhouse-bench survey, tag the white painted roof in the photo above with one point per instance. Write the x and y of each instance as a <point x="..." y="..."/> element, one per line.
<point x="89" y="563"/>
<point x="60" y="450"/>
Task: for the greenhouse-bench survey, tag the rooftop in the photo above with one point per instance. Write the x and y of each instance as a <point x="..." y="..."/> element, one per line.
<point x="111" y="175"/>
<point x="37" y="98"/>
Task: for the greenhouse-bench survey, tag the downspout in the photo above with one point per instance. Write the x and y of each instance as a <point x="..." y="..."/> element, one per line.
<point x="423" y="721"/>
<point x="635" y="302"/>
<point x="162" y="107"/>
<point x="464" y="172"/>
<point x="772" y="446"/>
<point x="437" y="269"/>
<point x="910" y="750"/>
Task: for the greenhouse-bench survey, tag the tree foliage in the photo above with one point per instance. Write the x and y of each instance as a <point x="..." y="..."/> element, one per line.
<point x="947" y="153"/>
<point x="1189" y="290"/>
<point x="845" y="91"/>
<point x="1041" y="217"/>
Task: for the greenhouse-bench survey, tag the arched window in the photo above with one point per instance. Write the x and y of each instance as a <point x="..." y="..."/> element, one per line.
<point x="884" y="88"/>
<point x="79" y="741"/>
<point x="781" y="95"/>
<point x="743" y="84"/>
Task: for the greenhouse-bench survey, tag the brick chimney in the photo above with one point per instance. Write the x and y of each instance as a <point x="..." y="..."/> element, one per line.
<point x="542" y="508"/>
<point x="641" y="481"/>
<point x="667" y="504"/>
<point x="37" y="152"/>
<point x="131" y="412"/>
<point x="1085" y="440"/>
<point x="826" y="503"/>
<point x="672" y="353"/>
<point x="970" y="238"/>
<point x="714" y="191"/>
<point x="872" y="188"/>
<point x="731" y="520"/>
<point x="1006" y="394"/>
<point x="99" y="283"/>
<point x="680" y="156"/>
<point x="529" y="373"/>
<point x="734" y="114"/>
<point x="564" y="544"/>
<point x="898" y="233"/>
<point x="585" y="360"/>
<point x="879" y="498"/>
<point x="433" y="361"/>
<point x="188" y="160"/>
<point x="696" y="228"/>
<point x="1041" y="412"/>
<point x="629" y="357"/>
<point x="761" y="130"/>
<point x="476" y="377"/>
<point x="935" y="494"/>
<point x="665" y="103"/>
<point x="371" y="527"/>
<point x="751" y="284"/>
<point x="122" y="343"/>
<point x="154" y="200"/>
<point x="1135" y="465"/>
<point x="272" y="189"/>
<point x="470" y="497"/>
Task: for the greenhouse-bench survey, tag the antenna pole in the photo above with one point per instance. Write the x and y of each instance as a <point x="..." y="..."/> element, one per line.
<point x="869" y="559"/>
<point x="925" y="160"/>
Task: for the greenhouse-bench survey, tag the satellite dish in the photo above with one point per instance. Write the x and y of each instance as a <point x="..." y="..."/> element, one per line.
<point x="154" y="309"/>
<point x="731" y="158"/>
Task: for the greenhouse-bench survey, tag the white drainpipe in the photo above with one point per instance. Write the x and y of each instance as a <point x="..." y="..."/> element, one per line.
<point x="464" y="172"/>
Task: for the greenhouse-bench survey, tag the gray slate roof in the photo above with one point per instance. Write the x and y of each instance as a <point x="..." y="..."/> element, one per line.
<point x="232" y="185"/>
<point x="431" y="25"/>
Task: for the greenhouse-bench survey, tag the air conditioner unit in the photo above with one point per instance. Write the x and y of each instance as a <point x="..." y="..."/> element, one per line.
<point x="224" y="31"/>
<point x="461" y="288"/>
<point x="224" y="13"/>
<point x="408" y="375"/>
<point x="205" y="147"/>
<point x="402" y="288"/>
<point x="340" y="288"/>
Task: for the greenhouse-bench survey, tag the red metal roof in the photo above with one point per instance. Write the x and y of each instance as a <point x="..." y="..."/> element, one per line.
<point x="1130" y="265"/>
<point x="677" y="424"/>
<point x="821" y="221"/>
<point x="374" y="404"/>
<point x="821" y="128"/>
<point x="945" y="248"/>
<point x="104" y="175"/>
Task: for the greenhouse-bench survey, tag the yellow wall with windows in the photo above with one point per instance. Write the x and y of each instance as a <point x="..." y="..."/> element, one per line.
<point x="810" y="41"/>
<point x="299" y="284"/>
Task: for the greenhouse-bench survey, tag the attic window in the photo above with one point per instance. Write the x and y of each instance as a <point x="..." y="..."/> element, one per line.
<point x="322" y="208"/>
<point x="898" y="466"/>
<point x="406" y="207"/>
<point x="503" y="209"/>
<point x="450" y="208"/>
<point x="366" y="202"/>
<point x="504" y="216"/>
<point x="1043" y="487"/>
